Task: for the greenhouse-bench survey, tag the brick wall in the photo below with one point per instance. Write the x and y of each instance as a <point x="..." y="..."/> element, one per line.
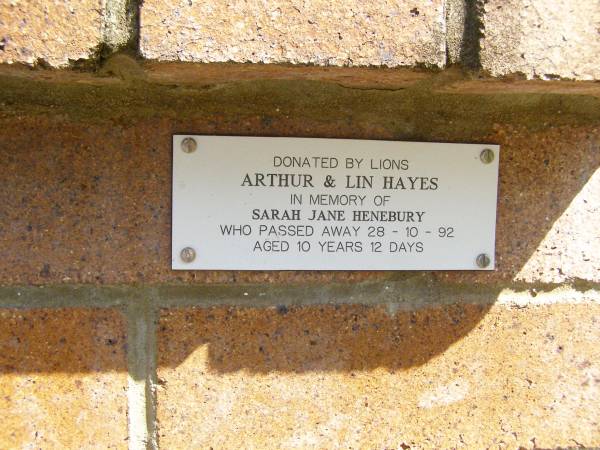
<point x="103" y="346"/>
<point x="534" y="38"/>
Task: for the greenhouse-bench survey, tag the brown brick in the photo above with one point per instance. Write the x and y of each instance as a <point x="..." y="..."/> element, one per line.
<point x="55" y="32"/>
<point x="352" y="376"/>
<point x="89" y="180"/>
<point x="63" y="377"/>
<point x="354" y="33"/>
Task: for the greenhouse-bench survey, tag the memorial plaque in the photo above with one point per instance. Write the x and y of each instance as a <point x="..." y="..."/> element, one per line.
<point x="257" y="203"/>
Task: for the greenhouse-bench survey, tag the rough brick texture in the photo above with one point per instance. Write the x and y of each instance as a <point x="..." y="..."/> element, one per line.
<point x="537" y="38"/>
<point x="542" y="38"/>
<point x="104" y="216"/>
<point x="63" y="376"/>
<point x="319" y="32"/>
<point x="354" y="377"/>
<point x="55" y="32"/>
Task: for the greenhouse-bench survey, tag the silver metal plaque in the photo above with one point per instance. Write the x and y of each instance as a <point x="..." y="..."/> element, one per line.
<point x="254" y="203"/>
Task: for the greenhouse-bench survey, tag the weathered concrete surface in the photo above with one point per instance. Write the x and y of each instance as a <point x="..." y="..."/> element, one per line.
<point x="542" y="38"/>
<point x="353" y="77"/>
<point x="378" y="32"/>
<point x="88" y="164"/>
<point x="63" y="376"/>
<point x="53" y="32"/>
<point x="353" y="376"/>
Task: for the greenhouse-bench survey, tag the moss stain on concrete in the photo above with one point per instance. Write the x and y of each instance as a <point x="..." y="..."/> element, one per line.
<point x="418" y="112"/>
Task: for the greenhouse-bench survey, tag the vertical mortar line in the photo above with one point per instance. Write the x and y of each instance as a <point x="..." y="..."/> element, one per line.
<point x="134" y="8"/>
<point x="141" y="361"/>
<point x="120" y="24"/>
<point x="151" y="376"/>
<point x="455" y="13"/>
<point x="470" y="50"/>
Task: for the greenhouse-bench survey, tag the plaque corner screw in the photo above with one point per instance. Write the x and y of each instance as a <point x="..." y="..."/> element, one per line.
<point x="483" y="260"/>
<point x="487" y="155"/>
<point x="188" y="254"/>
<point x="189" y="145"/>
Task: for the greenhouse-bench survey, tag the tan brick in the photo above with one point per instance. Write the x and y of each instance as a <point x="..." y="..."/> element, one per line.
<point x="54" y="32"/>
<point x="354" y="377"/>
<point x="63" y="376"/>
<point x="542" y="38"/>
<point x="379" y="32"/>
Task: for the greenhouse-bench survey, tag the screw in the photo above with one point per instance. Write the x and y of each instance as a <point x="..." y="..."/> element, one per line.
<point x="486" y="156"/>
<point x="483" y="260"/>
<point x="189" y="145"/>
<point x="188" y="254"/>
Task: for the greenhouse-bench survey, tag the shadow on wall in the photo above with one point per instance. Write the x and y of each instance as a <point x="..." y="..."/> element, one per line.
<point x="470" y="51"/>
<point x="283" y="339"/>
<point x="92" y="216"/>
<point x="337" y="338"/>
<point x="548" y="189"/>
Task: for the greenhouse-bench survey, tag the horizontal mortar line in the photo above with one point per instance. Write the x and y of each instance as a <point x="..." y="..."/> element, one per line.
<point x="67" y="296"/>
<point x="408" y="294"/>
<point x="406" y="297"/>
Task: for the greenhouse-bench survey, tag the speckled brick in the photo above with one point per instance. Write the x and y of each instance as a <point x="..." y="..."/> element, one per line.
<point x="63" y="376"/>
<point x="542" y="38"/>
<point x="55" y="32"/>
<point x="379" y="32"/>
<point x="355" y="377"/>
<point x="87" y="166"/>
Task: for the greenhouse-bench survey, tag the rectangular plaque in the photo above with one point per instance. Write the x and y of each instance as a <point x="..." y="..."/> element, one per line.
<point x="257" y="203"/>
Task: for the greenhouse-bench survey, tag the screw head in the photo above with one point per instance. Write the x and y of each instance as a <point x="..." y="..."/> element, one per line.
<point x="188" y="254"/>
<point x="189" y="145"/>
<point x="486" y="155"/>
<point x="483" y="260"/>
